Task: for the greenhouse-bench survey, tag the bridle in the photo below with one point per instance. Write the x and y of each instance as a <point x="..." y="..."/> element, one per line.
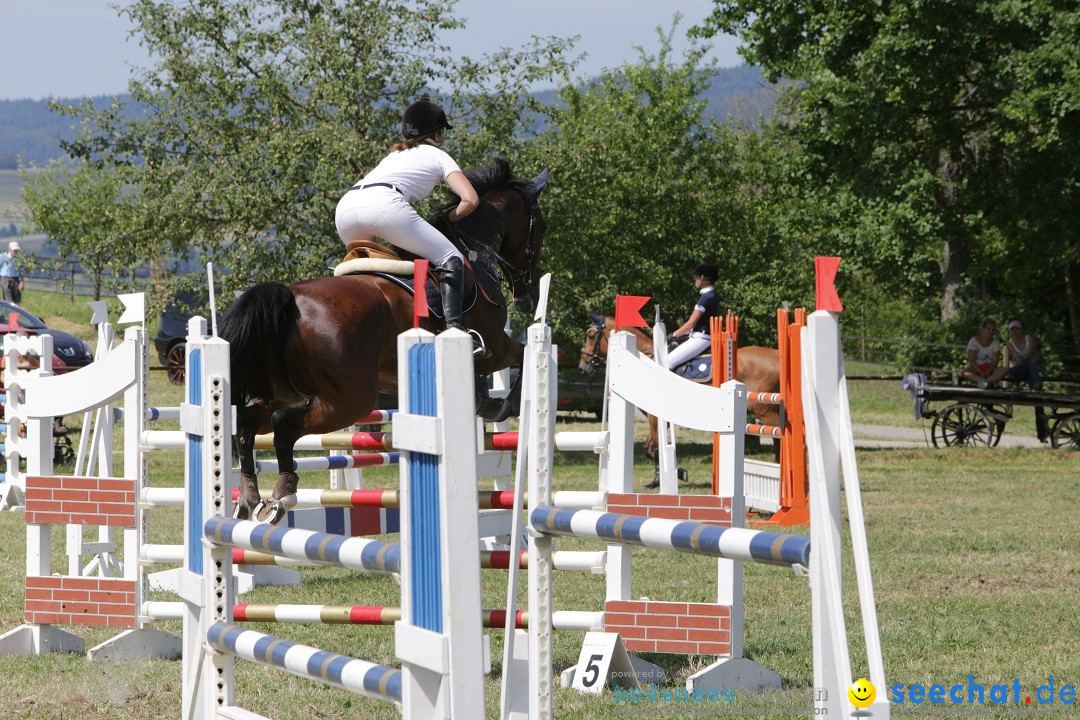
<point x="525" y="275"/>
<point x="517" y="277"/>
<point x="593" y="358"/>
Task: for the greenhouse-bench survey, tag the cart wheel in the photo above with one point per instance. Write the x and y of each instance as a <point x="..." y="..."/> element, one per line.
<point x="1067" y="433"/>
<point x="63" y="453"/>
<point x="963" y="424"/>
<point x="175" y="363"/>
<point x="999" y="430"/>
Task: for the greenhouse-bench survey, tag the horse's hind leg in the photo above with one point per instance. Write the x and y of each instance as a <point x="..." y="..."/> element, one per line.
<point x="246" y="426"/>
<point x="288" y="427"/>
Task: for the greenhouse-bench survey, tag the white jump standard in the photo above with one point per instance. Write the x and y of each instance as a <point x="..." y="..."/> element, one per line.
<point x="439" y="639"/>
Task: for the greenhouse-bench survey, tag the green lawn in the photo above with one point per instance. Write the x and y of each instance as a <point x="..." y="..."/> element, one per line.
<point x="976" y="572"/>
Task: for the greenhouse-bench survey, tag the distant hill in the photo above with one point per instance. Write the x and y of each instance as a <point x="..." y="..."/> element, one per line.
<point x="30" y="131"/>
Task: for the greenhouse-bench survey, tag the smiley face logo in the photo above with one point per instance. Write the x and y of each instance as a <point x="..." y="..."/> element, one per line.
<point x="862" y="693"/>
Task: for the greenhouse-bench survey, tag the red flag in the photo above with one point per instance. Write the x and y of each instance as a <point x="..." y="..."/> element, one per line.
<point x="628" y="311"/>
<point x="420" y="307"/>
<point x="825" y="269"/>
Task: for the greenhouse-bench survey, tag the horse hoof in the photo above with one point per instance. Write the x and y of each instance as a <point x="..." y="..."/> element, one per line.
<point x="493" y="410"/>
<point x="272" y="512"/>
<point x="241" y="510"/>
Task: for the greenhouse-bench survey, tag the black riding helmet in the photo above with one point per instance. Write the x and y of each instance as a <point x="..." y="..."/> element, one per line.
<point x="423" y="119"/>
<point x="707" y="270"/>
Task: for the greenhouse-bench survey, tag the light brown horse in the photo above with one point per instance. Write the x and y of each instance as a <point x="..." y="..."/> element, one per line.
<point x="758" y="370"/>
<point x="312" y="357"/>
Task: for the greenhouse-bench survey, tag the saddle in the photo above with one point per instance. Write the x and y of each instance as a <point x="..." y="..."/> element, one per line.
<point x="697" y="369"/>
<point x="371" y="258"/>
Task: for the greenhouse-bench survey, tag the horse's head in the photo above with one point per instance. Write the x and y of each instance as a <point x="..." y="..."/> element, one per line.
<point x="593" y="349"/>
<point x="510" y="226"/>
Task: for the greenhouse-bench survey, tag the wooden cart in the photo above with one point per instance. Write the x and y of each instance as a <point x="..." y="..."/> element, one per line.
<point x="976" y="416"/>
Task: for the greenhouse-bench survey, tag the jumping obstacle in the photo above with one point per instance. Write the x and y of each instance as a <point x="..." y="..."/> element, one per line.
<point x="648" y="625"/>
<point x="72" y="599"/>
<point x="439" y="639"/>
<point x="778" y="488"/>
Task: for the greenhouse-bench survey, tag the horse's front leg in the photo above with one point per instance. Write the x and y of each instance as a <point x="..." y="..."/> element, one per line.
<point x="288" y="426"/>
<point x="246" y="426"/>
<point x="489" y="408"/>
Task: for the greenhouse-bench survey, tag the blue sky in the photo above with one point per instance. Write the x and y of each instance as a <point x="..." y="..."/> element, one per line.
<point x="71" y="48"/>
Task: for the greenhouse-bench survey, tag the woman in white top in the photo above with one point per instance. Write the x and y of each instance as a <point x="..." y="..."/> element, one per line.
<point x="381" y="204"/>
<point x="984" y="357"/>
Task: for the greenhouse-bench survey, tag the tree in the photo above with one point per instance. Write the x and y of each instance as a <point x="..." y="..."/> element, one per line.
<point x="645" y="188"/>
<point x="87" y="212"/>
<point x="258" y="116"/>
<point x="940" y="114"/>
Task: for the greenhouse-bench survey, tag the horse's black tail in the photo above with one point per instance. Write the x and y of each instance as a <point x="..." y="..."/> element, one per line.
<point x="258" y="326"/>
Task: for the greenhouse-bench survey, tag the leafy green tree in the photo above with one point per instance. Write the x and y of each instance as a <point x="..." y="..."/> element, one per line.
<point x="644" y="188"/>
<point x="88" y="213"/>
<point x="258" y="116"/>
<point x="952" y="123"/>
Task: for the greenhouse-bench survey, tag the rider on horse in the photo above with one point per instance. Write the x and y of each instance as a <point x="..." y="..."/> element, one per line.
<point x="381" y="204"/>
<point x="706" y="307"/>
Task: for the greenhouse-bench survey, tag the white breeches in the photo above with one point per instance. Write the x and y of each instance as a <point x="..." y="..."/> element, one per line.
<point x="694" y="346"/>
<point x="383" y="212"/>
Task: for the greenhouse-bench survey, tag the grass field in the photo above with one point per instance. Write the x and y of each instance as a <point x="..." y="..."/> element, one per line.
<point x="974" y="557"/>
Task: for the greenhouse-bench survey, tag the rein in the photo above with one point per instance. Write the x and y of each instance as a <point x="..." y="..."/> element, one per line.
<point x="522" y="277"/>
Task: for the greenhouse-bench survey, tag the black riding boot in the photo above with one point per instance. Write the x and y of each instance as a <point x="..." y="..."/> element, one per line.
<point x="452" y="284"/>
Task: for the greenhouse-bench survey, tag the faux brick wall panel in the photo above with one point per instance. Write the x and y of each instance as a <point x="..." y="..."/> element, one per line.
<point x="707" y="509"/>
<point x="663" y="627"/>
<point x="60" y="600"/>
<point x="80" y="501"/>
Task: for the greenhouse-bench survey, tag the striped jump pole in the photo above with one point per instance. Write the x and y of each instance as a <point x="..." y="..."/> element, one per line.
<point x="340" y="671"/>
<point x="731" y="543"/>
<point x="381" y="615"/>
<point x="355" y="553"/>
<point x="773" y="431"/>
<point x="373" y="498"/>
<point x="153" y="414"/>
<point x="333" y="462"/>
<point x="362" y="440"/>
<point x="569" y="560"/>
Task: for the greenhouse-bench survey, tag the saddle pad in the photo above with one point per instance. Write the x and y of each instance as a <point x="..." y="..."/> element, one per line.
<point x="698" y="369"/>
<point x="434" y="296"/>
<point x="375" y="265"/>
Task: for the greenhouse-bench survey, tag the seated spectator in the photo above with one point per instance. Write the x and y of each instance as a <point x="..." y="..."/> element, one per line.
<point x="984" y="357"/>
<point x="1023" y="356"/>
<point x="1024" y="367"/>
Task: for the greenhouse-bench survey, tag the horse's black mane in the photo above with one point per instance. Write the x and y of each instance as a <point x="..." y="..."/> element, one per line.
<point x="496" y="175"/>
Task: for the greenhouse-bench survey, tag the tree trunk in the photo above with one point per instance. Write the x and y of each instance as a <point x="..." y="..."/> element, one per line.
<point x="955" y="261"/>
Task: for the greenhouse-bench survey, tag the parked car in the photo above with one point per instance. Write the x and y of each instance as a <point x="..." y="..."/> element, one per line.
<point x="170" y="342"/>
<point x="69" y="351"/>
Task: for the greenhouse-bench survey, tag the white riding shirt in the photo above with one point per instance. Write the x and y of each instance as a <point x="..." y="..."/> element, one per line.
<point x="387" y="212"/>
<point x="414" y="172"/>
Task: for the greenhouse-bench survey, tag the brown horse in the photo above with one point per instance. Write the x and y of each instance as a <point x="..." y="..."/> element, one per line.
<point x="312" y="357"/>
<point x="758" y="370"/>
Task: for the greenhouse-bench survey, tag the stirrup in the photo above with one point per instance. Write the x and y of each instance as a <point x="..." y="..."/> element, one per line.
<point x="480" y="350"/>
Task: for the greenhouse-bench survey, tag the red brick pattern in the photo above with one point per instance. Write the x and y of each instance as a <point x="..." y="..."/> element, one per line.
<point x="708" y="509"/>
<point x="80" y="501"/>
<point x="670" y="627"/>
<point x="59" y="600"/>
